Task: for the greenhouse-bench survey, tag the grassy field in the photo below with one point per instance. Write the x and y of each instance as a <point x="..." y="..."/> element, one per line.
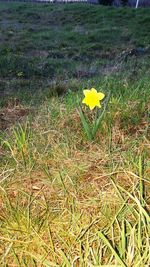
<point x="64" y="200"/>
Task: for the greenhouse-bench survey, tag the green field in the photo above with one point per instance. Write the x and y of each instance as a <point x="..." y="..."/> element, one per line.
<point x="64" y="200"/>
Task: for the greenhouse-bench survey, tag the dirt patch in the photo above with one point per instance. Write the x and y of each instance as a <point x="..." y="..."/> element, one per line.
<point x="12" y="113"/>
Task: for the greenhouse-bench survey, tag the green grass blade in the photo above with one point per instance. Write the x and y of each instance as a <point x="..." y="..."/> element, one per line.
<point x="85" y="124"/>
<point x="108" y="244"/>
<point x="45" y="262"/>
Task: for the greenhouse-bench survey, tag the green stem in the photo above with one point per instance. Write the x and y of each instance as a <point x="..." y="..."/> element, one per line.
<point x="98" y="121"/>
<point x="85" y="124"/>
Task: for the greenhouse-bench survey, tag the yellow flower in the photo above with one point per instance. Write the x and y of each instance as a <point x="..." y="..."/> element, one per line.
<point x="92" y="98"/>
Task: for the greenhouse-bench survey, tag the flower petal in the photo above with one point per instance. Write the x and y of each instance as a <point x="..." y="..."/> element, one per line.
<point x="86" y="91"/>
<point x="84" y="101"/>
<point x="91" y="107"/>
<point x="99" y="105"/>
<point x="93" y="90"/>
<point x="100" y="96"/>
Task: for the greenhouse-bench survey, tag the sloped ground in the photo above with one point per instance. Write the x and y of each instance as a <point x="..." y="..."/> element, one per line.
<point x="66" y="201"/>
<point x="45" y="44"/>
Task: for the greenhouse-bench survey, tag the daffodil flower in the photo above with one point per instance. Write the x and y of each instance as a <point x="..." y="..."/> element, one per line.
<point x="92" y="98"/>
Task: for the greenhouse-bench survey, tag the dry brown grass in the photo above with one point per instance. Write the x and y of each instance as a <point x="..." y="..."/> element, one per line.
<point x="53" y="207"/>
